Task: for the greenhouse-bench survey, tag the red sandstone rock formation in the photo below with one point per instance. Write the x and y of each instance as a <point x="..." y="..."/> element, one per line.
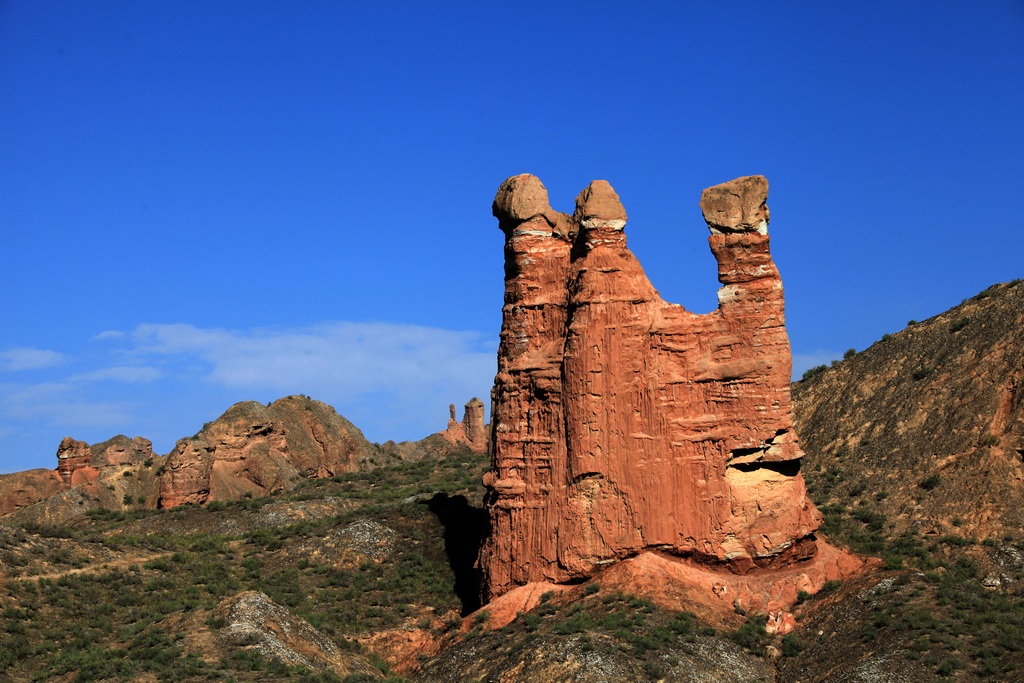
<point x="72" y="455"/>
<point x="22" y="489"/>
<point x="78" y="462"/>
<point x="624" y="424"/>
<point x="472" y="431"/>
<point x="121" y="450"/>
<point x="258" y="449"/>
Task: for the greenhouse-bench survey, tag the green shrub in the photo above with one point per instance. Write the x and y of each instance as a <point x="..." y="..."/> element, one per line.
<point x="959" y="324"/>
<point x="989" y="440"/>
<point x="930" y="482"/>
<point x="792" y="645"/>
<point x="922" y="372"/>
<point x="751" y="635"/>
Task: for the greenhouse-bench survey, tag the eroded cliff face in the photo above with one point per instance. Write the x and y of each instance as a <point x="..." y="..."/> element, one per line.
<point x="622" y="423"/>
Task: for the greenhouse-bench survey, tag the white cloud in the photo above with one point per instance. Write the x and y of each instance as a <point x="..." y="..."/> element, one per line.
<point x="129" y="374"/>
<point x="57" y="402"/>
<point x="353" y="358"/>
<point x="14" y="360"/>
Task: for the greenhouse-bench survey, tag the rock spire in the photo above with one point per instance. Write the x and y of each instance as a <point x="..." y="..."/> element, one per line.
<point x="622" y="423"/>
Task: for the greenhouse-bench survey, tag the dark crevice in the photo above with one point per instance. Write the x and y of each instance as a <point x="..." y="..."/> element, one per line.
<point x="583" y="477"/>
<point x="787" y="468"/>
<point x="464" y="529"/>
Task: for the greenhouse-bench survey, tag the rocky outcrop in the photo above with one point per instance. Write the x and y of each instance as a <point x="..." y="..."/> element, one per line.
<point x="80" y="465"/>
<point x="256" y="623"/>
<point x="72" y="456"/>
<point x="78" y="462"/>
<point x="472" y="431"/>
<point x="256" y="449"/>
<point x="623" y="423"/>
<point x="121" y="450"/>
<point x="22" y="489"/>
<point x="250" y="450"/>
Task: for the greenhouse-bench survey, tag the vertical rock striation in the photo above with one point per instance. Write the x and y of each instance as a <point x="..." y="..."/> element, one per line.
<point x="622" y="423"/>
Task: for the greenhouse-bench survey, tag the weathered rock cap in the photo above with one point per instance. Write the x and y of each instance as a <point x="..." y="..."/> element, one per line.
<point x="740" y="205"/>
<point x="598" y="206"/>
<point x="520" y="198"/>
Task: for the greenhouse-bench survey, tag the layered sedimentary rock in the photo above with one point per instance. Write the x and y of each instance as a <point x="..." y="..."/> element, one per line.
<point x="78" y="462"/>
<point x="623" y="423"/>
<point x="256" y="449"/>
<point x="472" y="431"/>
<point x="121" y="450"/>
<point x="72" y="455"/>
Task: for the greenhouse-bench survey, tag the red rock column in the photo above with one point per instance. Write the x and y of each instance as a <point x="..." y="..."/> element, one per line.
<point x="770" y="513"/>
<point x="527" y="434"/>
<point x="473" y="424"/>
<point x="605" y="383"/>
<point x="621" y="422"/>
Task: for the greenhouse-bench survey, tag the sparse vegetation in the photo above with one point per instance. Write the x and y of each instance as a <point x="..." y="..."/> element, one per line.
<point x="816" y="370"/>
<point x="751" y="635"/>
<point x="959" y="324"/>
<point x="119" y="624"/>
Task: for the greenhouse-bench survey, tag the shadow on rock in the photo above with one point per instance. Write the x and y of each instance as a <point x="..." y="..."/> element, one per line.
<point x="464" y="529"/>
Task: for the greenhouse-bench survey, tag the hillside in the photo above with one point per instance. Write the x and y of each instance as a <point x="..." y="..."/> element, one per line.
<point x="912" y="455"/>
<point x="927" y="422"/>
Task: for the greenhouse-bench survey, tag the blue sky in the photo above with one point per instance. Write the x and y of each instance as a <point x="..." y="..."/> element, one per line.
<point x="207" y="202"/>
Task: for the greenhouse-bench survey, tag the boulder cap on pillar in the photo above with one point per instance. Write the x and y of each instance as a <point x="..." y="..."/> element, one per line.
<point x="524" y="199"/>
<point x="740" y="205"/>
<point x="599" y="206"/>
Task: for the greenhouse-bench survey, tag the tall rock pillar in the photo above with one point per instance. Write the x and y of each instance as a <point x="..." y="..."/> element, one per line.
<point x="623" y="423"/>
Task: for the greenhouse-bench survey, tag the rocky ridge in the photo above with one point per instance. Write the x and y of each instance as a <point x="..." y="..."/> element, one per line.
<point x="252" y="450"/>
